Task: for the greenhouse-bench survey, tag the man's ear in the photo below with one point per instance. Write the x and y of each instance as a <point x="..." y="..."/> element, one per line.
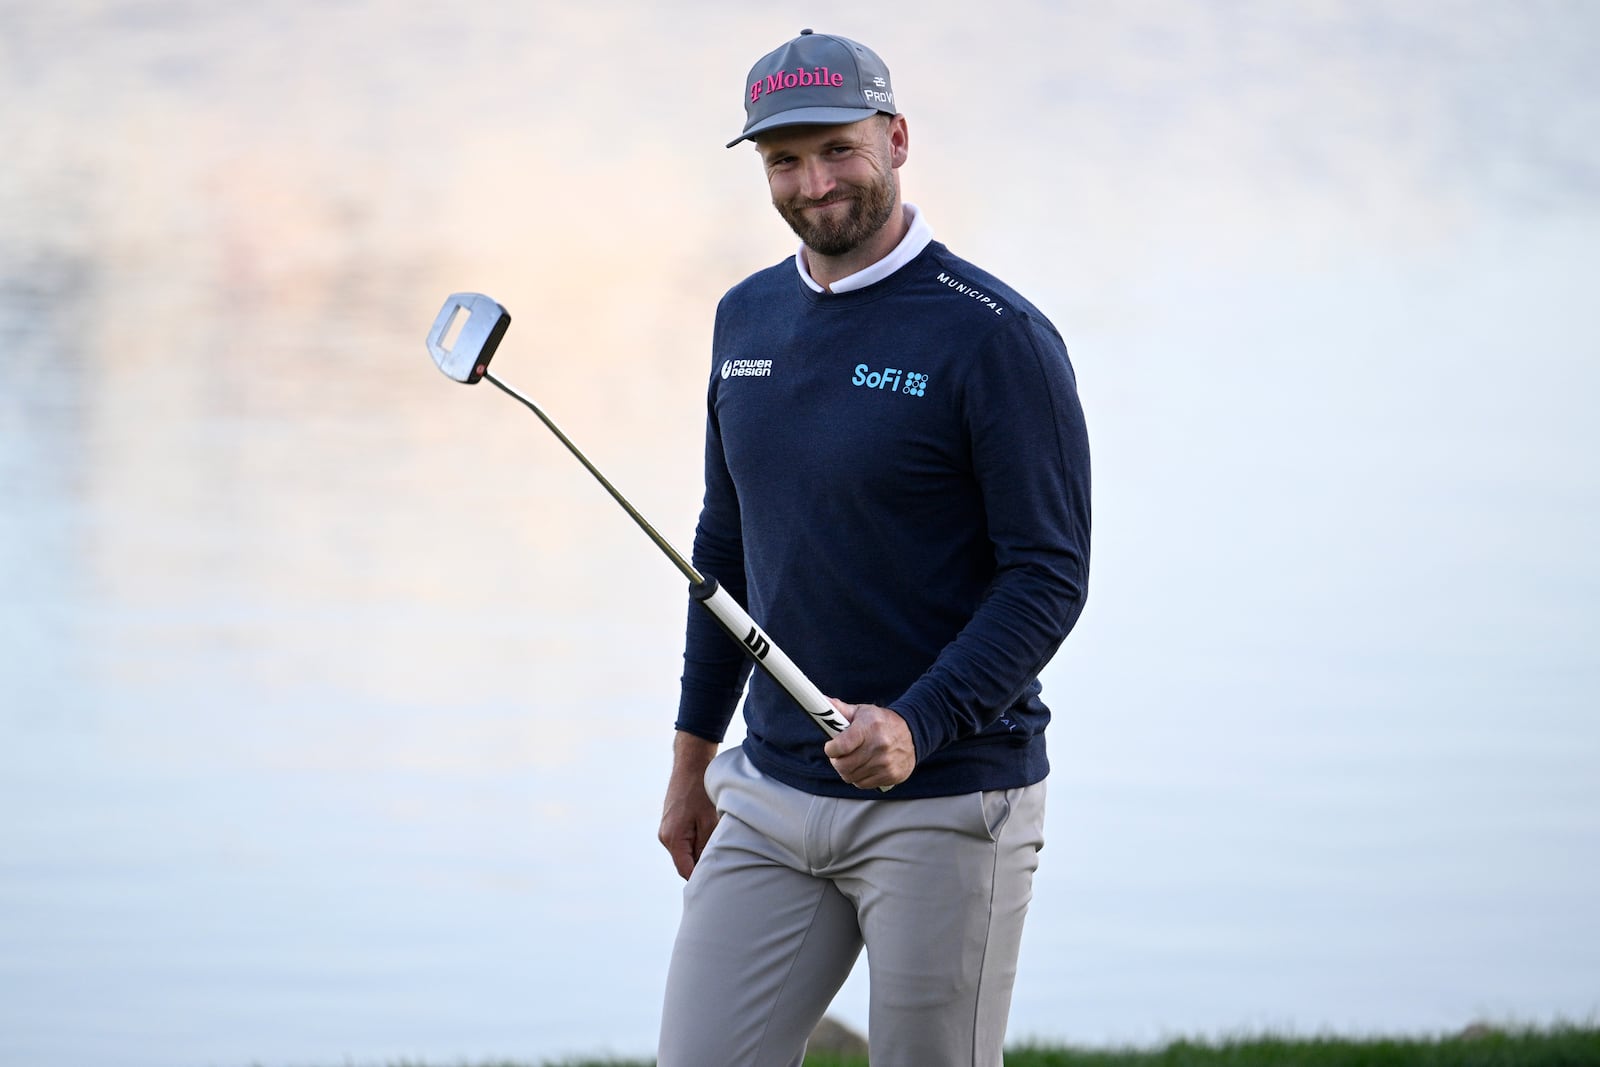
<point x="899" y="140"/>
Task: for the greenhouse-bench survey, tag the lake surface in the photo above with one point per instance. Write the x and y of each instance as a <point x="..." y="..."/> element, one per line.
<point x="336" y="700"/>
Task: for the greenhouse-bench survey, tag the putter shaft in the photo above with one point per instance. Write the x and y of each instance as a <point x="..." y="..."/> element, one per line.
<point x="662" y="543"/>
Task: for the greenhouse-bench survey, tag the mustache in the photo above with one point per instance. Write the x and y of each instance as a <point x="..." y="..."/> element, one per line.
<point x="802" y="202"/>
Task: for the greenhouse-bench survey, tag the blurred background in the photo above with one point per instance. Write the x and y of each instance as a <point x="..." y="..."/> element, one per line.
<point x="336" y="701"/>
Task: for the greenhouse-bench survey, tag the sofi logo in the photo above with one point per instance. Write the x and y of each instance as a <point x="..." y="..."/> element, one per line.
<point x="798" y="78"/>
<point x="909" y="382"/>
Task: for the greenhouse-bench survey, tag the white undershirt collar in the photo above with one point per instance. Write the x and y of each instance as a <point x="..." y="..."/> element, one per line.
<point x="918" y="234"/>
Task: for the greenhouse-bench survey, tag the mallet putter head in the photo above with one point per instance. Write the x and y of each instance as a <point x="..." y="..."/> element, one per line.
<point x="467" y="359"/>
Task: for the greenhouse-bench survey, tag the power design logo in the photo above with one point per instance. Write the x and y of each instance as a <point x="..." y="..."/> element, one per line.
<point x="910" y="383"/>
<point x="747" y="368"/>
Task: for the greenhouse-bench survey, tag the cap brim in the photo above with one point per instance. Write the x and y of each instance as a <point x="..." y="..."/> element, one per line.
<point x="808" y="116"/>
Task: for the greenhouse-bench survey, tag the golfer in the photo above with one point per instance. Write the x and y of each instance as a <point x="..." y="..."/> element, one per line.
<point x="897" y="487"/>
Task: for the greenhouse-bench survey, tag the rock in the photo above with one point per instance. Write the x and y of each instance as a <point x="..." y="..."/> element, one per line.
<point x="835" y="1038"/>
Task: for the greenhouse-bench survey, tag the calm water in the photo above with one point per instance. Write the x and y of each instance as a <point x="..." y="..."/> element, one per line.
<point x="335" y="701"/>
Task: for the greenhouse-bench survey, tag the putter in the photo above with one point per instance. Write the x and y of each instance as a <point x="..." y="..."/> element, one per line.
<point x="465" y="359"/>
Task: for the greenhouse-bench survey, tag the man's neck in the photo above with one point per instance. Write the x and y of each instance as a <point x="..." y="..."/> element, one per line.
<point x="825" y="270"/>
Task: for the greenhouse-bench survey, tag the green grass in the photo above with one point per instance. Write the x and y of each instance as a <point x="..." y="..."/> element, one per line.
<point x="1562" y="1046"/>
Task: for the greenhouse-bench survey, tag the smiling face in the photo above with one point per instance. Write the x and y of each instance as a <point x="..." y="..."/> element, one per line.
<point x="836" y="186"/>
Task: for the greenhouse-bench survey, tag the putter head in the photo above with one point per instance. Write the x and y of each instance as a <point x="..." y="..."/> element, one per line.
<point x="466" y="359"/>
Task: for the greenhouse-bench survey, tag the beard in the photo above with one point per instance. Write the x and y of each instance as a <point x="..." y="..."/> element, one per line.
<point x="871" y="208"/>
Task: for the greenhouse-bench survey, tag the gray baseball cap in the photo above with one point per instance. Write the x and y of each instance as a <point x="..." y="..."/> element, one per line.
<point x="817" y="79"/>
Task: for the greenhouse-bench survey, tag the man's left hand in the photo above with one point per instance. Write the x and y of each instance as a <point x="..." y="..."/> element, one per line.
<point x="875" y="750"/>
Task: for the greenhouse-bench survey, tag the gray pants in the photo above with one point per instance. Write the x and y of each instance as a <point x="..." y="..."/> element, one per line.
<point x="791" y="886"/>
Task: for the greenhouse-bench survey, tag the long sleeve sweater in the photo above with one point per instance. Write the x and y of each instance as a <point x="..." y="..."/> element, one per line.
<point x="897" y="489"/>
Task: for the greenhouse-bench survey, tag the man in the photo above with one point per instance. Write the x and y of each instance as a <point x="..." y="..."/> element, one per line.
<point x="897" y="487"/>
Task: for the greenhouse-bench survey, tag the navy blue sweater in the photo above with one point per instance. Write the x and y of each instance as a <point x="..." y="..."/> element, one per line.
<point x="897" y="489"/>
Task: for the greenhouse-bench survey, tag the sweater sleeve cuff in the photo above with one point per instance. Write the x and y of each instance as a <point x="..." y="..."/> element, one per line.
<point x="706" y="711"/>
<point x="929" y="733"/>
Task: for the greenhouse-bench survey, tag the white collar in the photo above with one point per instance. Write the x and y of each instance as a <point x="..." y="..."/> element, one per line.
<point x="918" y="235"/>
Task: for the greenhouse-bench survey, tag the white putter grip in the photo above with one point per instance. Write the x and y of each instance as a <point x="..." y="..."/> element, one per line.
<point x="742" y="628"/>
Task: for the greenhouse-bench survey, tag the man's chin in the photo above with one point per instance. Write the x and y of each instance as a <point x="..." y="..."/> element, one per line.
<point x="825" y="240"/>
<point x="831" y="244"/>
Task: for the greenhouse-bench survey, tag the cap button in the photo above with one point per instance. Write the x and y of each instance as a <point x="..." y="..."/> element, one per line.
<point x="804" y="32"/>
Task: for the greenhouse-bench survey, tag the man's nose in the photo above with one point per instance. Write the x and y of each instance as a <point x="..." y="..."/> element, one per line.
<point x="816" y="180"/>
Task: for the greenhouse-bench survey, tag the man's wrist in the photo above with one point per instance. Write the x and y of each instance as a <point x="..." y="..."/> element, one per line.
<point x="692" y="748"/>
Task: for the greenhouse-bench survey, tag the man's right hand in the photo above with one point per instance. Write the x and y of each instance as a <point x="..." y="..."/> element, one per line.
<point x="687" y="815"/>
